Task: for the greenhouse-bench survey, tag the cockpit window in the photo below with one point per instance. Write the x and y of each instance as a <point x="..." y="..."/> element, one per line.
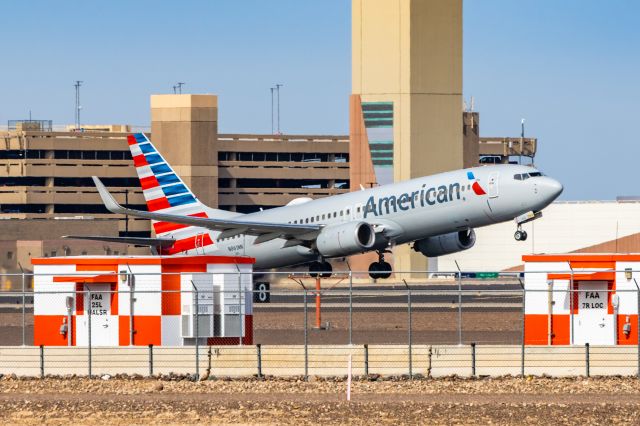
<point x="525" y="176"/>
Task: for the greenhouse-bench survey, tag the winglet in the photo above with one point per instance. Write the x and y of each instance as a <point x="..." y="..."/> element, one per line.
<point x="107" y="199"/>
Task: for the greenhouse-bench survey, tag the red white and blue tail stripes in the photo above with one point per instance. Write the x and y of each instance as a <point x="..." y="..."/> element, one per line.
<point x="165" y="192"/>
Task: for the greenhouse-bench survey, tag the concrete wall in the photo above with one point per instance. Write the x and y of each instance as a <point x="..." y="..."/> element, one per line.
<point x="427" y="361"/>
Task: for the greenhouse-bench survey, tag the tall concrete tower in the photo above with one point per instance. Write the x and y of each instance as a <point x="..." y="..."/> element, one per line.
<point x="406" y="107"/>
<point x="185" y="129"/>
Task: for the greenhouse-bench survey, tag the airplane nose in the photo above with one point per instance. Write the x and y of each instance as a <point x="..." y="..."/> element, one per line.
<point x="553" y="188"/>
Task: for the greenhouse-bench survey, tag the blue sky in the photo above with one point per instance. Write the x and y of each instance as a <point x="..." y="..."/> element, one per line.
<point x="570" y="68"/>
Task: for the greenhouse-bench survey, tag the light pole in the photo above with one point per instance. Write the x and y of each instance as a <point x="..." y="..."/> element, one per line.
<point x="272" y="89"/>
<point x="78" y="106"/>
<point x="278" y="86"/>
<point x="521" y="140"/>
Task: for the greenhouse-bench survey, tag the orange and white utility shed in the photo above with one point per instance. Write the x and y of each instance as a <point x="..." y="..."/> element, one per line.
<point x="142" y="300"/>
<point x="581" y="298"/>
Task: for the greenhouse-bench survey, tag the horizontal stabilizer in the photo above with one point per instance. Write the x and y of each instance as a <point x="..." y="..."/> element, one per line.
<point x="151" y="242"/>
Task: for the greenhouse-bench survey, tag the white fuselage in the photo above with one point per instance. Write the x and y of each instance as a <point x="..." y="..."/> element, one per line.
<point x="407" y="211"/>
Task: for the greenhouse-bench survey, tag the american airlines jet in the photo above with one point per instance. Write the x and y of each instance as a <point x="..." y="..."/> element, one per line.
<point x="436" y="214"/>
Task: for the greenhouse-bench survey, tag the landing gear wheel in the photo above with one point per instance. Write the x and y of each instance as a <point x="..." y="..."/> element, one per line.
<point x="380" y="270"/>
<point x="327" y="269"/>
<point x="386" y="269"/>
<point x="322" y="269"/>
<point x="520" y="235"/>
<point x="374" y="272"/>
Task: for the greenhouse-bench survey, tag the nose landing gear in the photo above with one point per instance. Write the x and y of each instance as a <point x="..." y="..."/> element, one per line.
<point x="380" y="269"/>
<point x="520" y="235"/>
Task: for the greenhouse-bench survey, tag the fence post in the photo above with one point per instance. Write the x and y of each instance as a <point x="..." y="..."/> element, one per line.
<point x="410" y="334"/>
<point x="131" y="282"/>
<point x="459" y="308"/>
<point x="150" y="360"/>
<point x="638" y="322"/>
<point x="41" y="361"/>
<point x="473" y="359"/>
<point x="586" y="353"/>
<point x="366" y="360"/>
<point x="24" y="323"/>
<point x="259" y="352"/>
<point x="350" y="308"/>
<point x="571" y="295"/>
<point x="524" y="316"/>
<point x="306" y="337"/>
<point x="197" y="336"/>
<point x="242" y="317"/>
<point x="88" y="303"/>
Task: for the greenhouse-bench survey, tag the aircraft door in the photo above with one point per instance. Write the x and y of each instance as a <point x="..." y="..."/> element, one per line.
<point x="358" y="211"/>
<point x="492" y="185"/>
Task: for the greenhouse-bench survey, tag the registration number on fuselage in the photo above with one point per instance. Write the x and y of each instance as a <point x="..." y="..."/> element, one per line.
<point x="235" y="248"/>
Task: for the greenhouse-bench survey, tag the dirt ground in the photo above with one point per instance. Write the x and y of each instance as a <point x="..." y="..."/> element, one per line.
<point x="389" y="327"/>
<point x="432" y="401"/>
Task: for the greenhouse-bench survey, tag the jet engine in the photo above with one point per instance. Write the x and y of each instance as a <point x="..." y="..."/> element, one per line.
<point x="446" y="243"/>
<point x="345" y="239"/>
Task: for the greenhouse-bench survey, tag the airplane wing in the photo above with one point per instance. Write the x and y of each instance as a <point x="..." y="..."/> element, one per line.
<point x="265" y="231"/>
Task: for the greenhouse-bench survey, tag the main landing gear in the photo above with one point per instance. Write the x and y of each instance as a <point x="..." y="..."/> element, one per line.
<point x="380" y="269"/>
<point x="322" y="269"/>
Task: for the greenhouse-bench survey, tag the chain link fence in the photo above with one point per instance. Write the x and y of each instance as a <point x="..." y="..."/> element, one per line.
<point x="456" y="323"/>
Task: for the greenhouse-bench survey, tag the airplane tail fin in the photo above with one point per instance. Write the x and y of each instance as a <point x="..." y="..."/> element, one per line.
<point x="164" y="191"/>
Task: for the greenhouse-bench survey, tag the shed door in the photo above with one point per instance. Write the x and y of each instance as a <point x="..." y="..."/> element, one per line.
<point x="104" y="326"/>
<point x="593" y="324"/>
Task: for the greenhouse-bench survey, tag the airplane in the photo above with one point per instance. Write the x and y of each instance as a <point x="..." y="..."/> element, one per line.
<point x="437" y="214"/>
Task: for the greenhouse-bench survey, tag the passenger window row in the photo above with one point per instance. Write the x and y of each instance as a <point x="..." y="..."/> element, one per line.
<point x="325" y="216"/>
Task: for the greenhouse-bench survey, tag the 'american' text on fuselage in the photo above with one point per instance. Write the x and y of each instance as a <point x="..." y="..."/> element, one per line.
<point x="406" y="201"/>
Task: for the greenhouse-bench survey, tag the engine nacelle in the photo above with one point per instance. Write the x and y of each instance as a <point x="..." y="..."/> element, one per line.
<point x="446" y="244"/>
<point x="345" y="239"/>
